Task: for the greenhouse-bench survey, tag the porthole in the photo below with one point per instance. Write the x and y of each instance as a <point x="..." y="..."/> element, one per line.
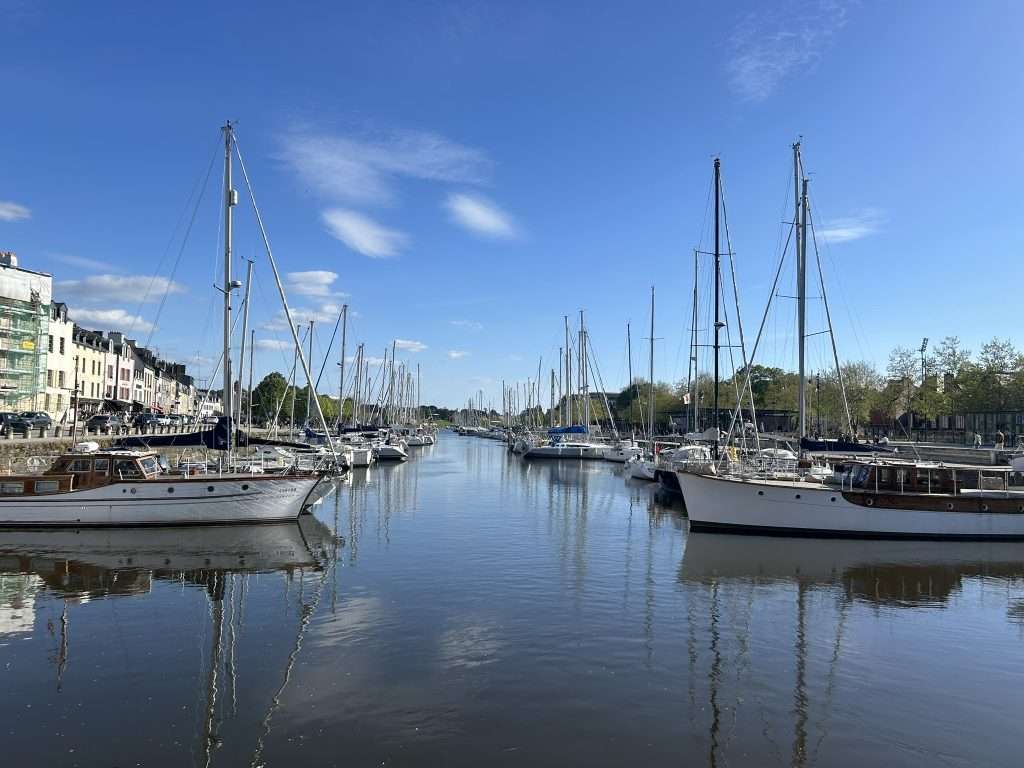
<point x="209" y="488"/>
<point x="760" y="493"/>
<point x="832" y="499"/>
<point x="133" y="491"/>
<point x="245" y="487"/>
<point x="984" y="507"/>
<point x="124" y="490"/>
<point x="1020" y="508"/>
<point x="949" y="506"/>
<point x="171" y="489"/>
<point x="869" y="502"/>
<point x="798" y="495"/>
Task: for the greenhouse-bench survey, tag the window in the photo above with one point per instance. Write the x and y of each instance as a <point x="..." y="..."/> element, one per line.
<point x="101" y="466"/>
<point x="49" y="378"/>
<point x="47" y="486"/>
<point x="49" y="343"/>
<point x="60" y="402"/>
<point x="126" y="469"/>
<point x="149" y="464"/>
<point x="80" y="465"/>
<point x="60" y="379"/>
<point x="12" y="488"/>
<point x="62" y="345"/>
<point x="47" y="406"/>
<point x="110" y="371"/>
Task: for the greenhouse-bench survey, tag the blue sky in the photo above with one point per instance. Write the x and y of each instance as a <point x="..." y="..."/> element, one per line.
<point x="471" y="172"/>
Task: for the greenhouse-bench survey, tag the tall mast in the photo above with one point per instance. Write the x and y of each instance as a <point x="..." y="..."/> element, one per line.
<point x="694" y="392"/>
<point x="341" y="375"/>
<point x="248" y="413"/>
<point x="650" y="405"/>
<point x="629" y="385"/>
<point x="309" y="389"/>
<point x="718" y="267"/>
<point x="230" y="201"/>
<point x="568" y="375"/>
<point x="802" y="308"/>
<point x="245" y="334"/>
<point x="584" y="379"/>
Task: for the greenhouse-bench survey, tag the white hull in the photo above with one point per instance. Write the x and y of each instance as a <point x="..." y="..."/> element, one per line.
<point x="165" y="501"/>
<point x="724" y="503"/>
<point x="620" y="453"/>
<point x="641" y="470"/>
<point x="571" y="451"/>
<point x="390" y="453"/>
<point x="359" y="457"/>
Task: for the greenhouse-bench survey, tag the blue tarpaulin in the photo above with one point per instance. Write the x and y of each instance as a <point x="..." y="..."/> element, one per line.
<point x="577" y="429"/>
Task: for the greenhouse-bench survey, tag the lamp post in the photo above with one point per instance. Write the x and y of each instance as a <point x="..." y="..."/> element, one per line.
<point x="74" y="394"/>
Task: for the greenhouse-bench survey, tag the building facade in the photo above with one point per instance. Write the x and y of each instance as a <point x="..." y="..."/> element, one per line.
<point x="120" y="374"/>
<point x="91" y="349"/>
<point x="60" y="365"/>
<point x="25" y="298"/>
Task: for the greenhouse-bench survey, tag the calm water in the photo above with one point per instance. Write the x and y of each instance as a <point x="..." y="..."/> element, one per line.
<point x="477" y="610"/>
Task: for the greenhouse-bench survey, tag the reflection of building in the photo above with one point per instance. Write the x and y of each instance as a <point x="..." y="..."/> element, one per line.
<point x="17" y="601"/>
<point x="24" y="319"/>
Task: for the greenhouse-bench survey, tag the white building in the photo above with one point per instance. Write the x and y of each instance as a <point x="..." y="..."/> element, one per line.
<point x="60" y="364"/>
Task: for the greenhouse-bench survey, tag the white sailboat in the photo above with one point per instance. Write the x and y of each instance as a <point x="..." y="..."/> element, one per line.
<point x="871" y="497"/>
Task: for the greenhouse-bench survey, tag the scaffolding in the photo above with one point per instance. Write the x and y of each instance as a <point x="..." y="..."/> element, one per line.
<point x="24" y="326"/>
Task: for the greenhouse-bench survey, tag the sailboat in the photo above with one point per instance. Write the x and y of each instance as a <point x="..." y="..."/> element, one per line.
<point x="870" y="497"/>
<point x="90" y="487"/>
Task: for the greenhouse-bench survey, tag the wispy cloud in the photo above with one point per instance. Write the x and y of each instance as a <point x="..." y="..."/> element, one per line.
<point x="367" y="360"/>
<point x="107" y="288"/>
<point x="363" y="234"/>
<point x="479" y="215"/>
<point x="775" y="41"/>
<point x="315" y="282"/>
<point x="13" y="211"/>
<point x="83" y="263"/>
<point x="471" y="325"/>
<point x="848" y="228"/>
<point x="326" y="312"/>
<point x="273" y="345"/>
<point x="409" y="345"/>
<point x="110" y="320"/>
<point x="362" y="169"/>
<point x="457" y="354"/>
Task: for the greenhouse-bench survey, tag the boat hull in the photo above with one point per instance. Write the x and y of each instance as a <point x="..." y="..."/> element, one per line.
<point x="564" y="452"/>
<point x="165" y="501"/>
<point x="803" y="509"/>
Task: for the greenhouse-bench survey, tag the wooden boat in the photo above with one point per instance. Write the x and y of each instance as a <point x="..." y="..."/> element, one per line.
<point x="872" y="499"/>
<point x="129" y="488"/>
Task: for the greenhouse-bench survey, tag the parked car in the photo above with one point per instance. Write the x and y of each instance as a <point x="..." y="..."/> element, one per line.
<point x="163" y="421"/>
<point x="12" y="422"/>
<point x="38" y="418"/>
<point x="147" y="420"/>
<point x="102" y="421"/>
<point x="210" y="419"/>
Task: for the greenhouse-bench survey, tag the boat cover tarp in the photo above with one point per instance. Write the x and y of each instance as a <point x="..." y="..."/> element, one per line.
<point x="841" y="446"/>
<point x="577" y="429"/>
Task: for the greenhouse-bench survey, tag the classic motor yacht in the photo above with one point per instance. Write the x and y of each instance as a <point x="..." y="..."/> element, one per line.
<point x="126" y="488"/>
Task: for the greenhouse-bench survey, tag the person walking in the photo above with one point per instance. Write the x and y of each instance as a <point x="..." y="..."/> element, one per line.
<point x="977" y="440"/>
<point x="1000" y="440"/>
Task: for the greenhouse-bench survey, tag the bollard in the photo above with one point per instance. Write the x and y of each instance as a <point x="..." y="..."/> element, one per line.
<point x="57" y="431"/>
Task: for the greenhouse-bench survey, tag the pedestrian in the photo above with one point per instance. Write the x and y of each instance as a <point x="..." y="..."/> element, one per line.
<point x="977" y="440"/>
<point x="1000" y="440"/>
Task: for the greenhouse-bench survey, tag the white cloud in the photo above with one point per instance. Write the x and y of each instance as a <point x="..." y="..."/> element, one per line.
<point x="13" y="211"/>
<point x="324" y="313"/>
<point x="480" y="215"/>
<point x="363" y="234"/>
<point x="110" y="320"/>
<point x="274" y="345"/>
<point x="367" y="360"/>
<point x="315" y="282"/>
<point x="106" y="288"/>
<point x="471" y="325"/>
<point x="362" y="169"/>
<point x="84" y="263"/>
<point x="457" y="354"/>
<point x="409" y="345"/>
<point x="769" y="45"/>
<point x="843" y="230"/>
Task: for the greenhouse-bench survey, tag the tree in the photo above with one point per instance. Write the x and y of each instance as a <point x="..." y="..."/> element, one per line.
<point x="951" y="357"/>
<point x="267" y="396"/>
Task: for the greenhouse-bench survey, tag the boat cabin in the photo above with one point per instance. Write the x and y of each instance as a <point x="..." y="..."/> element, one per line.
<point x="910" y="478"/>
<point x="81" y="471"/>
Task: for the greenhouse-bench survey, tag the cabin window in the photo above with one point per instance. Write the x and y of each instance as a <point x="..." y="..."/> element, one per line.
<point x="80" y="465"/>
<point x="126" y="469"/>
<point x="884" y="476"/>
<point x="47" y="486"/>
<point x="12" y="488"/>
<point x="149" y="466"/>
<point x="101" y="466"/>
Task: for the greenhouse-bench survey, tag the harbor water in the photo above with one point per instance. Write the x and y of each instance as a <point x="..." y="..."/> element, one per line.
<point x="470" y="608"/>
